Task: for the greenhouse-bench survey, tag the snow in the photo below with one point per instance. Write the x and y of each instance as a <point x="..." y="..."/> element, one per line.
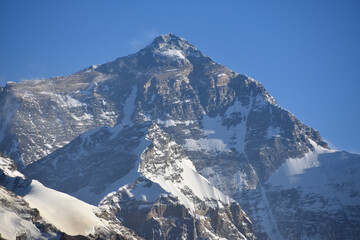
<point x="273" y="132"/>
<point x="127" y="110"/>
<point x="83" y="117"/>
<point x="205" y="144"/>
<point x="260" y="103"/>
<point x="153" y="96"/>
<point x="66" y="213"/>
<point x="48" y="145"/>
<point x="6" y="165"/>
<point x="320" y="173"/>
<point x="173" y="123"/>
<point x="241" y="180"/>
<point x="128" y="179"/>
<point x="293" y="167"/>
<point x="64" y="100"/>
<point x="221" y="137"/>
<point x="189" y="183"/>
<point x="173" y="53"/>
<point x="142" y="192"/>
<point x="199" y="186"/>
<point x="129" y="107"/>
<point x="13" y="225"/>
<point x="10" y="83"/>
<point x="266" y="216"/>
<point x="221" y="75"/>
<point x="163" y="184"/>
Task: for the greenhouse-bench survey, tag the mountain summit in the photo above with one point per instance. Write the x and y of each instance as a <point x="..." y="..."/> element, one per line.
<point x="169" y="41"/>
<point x="173" y="144"/>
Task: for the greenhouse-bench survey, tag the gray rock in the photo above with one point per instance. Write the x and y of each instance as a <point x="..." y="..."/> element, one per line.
<point x="61" y="131"/>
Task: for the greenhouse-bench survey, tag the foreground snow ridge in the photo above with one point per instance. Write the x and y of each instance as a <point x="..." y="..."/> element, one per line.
<point x="66" y="213"/>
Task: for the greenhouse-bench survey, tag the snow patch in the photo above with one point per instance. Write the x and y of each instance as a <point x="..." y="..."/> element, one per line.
<point x="222" y="136"/>
<point x="66" y="213"/>
<point x="173" y="123"/>
<point x="273" y="132"/>
<point x="129" y="107"/>
<point x="64" y="100"/>
<point x="6" y="165"/>
<point x="205" y="144"/>
<point x="173" y="53"/>
<point x="297" y="166"/>
<point x="127" y="110"/>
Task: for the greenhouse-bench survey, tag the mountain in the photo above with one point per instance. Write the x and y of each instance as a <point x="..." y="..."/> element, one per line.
<point x="172" y="144"/>
<point x="31" y="211"/>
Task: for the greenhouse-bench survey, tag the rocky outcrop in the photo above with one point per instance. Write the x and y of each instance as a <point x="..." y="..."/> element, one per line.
<point x="166" y="218"/>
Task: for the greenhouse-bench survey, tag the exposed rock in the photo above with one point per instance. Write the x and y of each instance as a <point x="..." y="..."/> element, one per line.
<point x="84" y="134"/>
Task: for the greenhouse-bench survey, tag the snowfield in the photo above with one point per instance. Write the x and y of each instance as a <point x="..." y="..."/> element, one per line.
<point x="67" y="213"/>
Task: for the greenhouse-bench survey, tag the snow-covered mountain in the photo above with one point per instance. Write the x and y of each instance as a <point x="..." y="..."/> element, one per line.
<point x="170" y="143"/>
<point x="160" y="174"/>
<point x="33" y="211"/>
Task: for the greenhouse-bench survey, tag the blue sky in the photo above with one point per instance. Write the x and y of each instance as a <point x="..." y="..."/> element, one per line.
<point x="306" y="53"/>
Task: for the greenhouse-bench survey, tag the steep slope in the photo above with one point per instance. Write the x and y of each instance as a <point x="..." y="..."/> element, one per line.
<point x="175" y="83"/>
<point x="228" y="125"/>
<point x="161" y="174"/>
<point x="18" y="219"/>
<point x="167" y="199"/>
<point x="323" y="189"/>
<point x="52" y="214"/>
<point x="79" y="167"/>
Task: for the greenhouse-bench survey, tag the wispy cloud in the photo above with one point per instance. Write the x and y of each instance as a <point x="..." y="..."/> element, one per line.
<point x="330" y="144"/>
<point x="144" y="39"/>
<point x="339" y="148"/>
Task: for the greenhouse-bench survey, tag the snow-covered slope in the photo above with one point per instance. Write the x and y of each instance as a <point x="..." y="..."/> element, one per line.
<point x="318" y="193"/>
<point x="164" y="176"/>
<point x="157" y="169"/>
<point x="78" y="168"/>
<point x="31" y="213"/>
<point x="66" y="213"/>
<point x="323" y="189"/>
<point x="84" y="135"/>
<point x="165" y="163"/>
<point x="18" y="219"/>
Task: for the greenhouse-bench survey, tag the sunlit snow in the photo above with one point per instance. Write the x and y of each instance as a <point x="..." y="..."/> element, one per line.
<point x="173" y="53"/>
<point x="63" y="211"/>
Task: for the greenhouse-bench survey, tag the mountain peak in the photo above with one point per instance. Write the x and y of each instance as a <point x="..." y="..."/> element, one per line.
<point x="172" y="46"/>
<point x="170" y="40"/>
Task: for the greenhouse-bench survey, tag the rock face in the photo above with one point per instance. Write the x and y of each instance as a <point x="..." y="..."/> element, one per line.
<point x="171" y="81"/>
<point x="162" y="196"/>
<point x="145" y="134"/>
<point x="166" y="218"/>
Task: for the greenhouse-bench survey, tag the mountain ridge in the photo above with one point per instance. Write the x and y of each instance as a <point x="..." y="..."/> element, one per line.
<point x="69" y="132"/>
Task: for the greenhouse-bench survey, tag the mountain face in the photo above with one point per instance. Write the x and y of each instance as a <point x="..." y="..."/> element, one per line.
<point x="169" y="143"/>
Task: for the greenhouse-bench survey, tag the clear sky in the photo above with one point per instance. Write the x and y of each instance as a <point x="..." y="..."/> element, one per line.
<point x="306" y="53"/>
